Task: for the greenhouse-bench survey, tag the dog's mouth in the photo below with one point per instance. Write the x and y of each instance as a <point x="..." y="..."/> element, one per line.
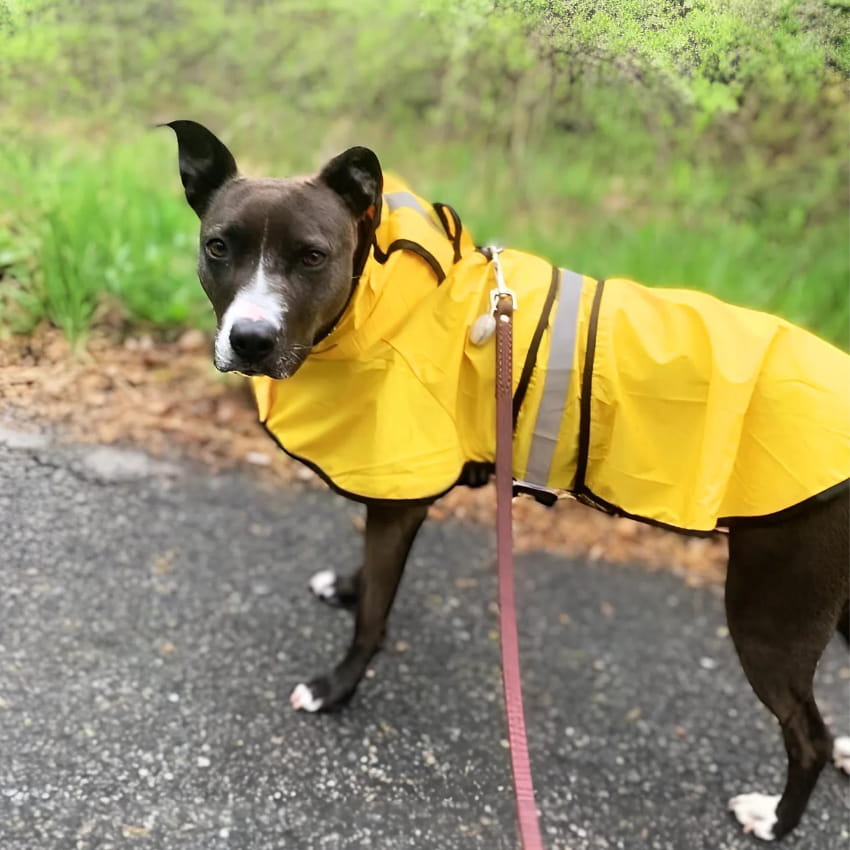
<point x="278" y="367"/>
<point x="250" y="372"/>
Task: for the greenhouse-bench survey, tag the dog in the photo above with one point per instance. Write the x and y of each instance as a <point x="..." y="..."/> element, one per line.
<point x="331" y="293"/>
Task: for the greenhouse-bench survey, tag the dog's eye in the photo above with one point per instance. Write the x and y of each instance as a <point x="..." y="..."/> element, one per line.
<point x="217" y="249"/>
<point x="312" y="258"/>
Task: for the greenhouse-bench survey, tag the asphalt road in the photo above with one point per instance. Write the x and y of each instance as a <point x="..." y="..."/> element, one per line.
<point x="154" y="618"/>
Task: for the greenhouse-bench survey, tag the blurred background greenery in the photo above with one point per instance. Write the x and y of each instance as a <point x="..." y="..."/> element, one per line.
<point x="701" y="143"/>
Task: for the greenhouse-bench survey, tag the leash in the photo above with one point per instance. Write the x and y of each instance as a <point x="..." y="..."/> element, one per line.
<point x="503" y="302"/>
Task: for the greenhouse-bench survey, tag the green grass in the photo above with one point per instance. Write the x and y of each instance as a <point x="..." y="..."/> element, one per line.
<point x="113" y="229"/>
<point x="98" y="231"/>
<point x="680" y="226"/>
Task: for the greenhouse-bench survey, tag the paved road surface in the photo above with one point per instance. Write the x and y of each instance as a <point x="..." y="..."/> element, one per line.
<point x="153" y="620"/>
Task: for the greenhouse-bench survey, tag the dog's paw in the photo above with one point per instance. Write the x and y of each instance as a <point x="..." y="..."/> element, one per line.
<point x="841" y="753"/>
<point x="756" y="813"/>
<point x="303" y="699"/>
<point x="334" y="589"/>
<point x="323" y="585"/>
<point x="325" y="693"/>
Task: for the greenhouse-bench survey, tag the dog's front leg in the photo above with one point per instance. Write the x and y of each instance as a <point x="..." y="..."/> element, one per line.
<point x="390" y="531"/>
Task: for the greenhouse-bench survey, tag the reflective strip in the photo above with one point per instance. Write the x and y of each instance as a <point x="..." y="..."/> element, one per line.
<point x="404" y="199"/>
<point x="397" y="200"/>
<point x="559" y="367"/>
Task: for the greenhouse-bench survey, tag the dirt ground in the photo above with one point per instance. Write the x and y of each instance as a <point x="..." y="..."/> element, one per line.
<point x="167" y="398"/>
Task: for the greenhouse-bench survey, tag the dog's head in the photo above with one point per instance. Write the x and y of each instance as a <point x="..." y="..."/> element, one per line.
<point x="277" y="257"/>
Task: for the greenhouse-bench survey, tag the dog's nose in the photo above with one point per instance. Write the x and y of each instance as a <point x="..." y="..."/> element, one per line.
<point x="252" y="340"/>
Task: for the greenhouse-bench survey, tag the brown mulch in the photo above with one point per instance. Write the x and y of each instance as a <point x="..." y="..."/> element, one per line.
<point x="167" y="398"/>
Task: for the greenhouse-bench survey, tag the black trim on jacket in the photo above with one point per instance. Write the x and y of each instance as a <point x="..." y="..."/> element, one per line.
<point x="413" y="247"/>
<point x="454" y="234"/>
<point x="579" y="487"/>
<point x="534" y="346"/>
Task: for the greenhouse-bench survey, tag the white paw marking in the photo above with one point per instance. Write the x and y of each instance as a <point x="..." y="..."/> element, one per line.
<point x="756" y="813"/>
<point x="323" y="584"/>
<point x="841" y="753"/>
<point x="302" y="699"/>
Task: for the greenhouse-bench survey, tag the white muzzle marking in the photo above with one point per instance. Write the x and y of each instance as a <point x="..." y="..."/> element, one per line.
<point x="256" y="302"/>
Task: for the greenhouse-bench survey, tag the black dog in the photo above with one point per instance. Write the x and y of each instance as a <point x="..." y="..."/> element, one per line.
<point x="281" y="261"/>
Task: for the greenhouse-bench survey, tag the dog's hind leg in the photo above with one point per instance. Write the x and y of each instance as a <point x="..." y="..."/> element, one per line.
<point x="784" y="595"/>
<point x="390" y="530"/>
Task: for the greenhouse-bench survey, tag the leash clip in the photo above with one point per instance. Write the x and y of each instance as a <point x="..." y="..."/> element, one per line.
<point x="501" y="290"/>
<point x="484" y="326"/>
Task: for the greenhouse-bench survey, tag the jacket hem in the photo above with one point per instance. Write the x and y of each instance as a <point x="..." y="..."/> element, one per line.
<point x="356" y="497"/>
<point x="589" y="498"/>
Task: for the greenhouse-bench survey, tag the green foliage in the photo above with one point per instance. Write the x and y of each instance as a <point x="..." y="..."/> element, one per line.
<point x="439" y="64"/>
<point x="92" y="228"/>
<point x="678" y="141"/>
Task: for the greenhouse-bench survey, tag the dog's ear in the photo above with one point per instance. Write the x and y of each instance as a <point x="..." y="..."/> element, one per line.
<point x="355" y="175"/>
<point x="205" y="163"/>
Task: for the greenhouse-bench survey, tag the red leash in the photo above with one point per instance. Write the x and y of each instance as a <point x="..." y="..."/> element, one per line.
<point x="504" y="303"/>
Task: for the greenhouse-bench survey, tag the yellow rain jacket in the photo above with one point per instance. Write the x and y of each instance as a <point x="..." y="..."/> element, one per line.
<point x="666" y="405"/>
